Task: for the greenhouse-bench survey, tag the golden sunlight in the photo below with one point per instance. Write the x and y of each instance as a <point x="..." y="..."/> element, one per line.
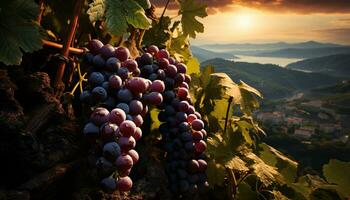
<point x="244" y="21"/>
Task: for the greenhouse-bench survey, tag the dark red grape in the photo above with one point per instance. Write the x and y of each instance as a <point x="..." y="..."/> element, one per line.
<point x="117" y="116"/>
<point x="202" y="165"/>
<point x="152" y="49"/>
<point x="122" y="53"/>
<point x="138" y="134"/>
<point x="155" y="98"/>
<point x="171" y="71"/>
<point x="182" y="93"/>
<point x="181" y="68"/>
<point x="200" y="146"/>
<point x="191" y="117"/>
<point x="124" y="184"/>
<point x="109" y="131"/>
<point x="157" y="86"/>
<point x="135" y="107"/>
<point x="163" y="63"/>
<point x="163" y="53"/>
<point x="113" y="64"/>
<point x="138" y="120"/>
<point x="197" y="124"/>
<point x="123" y="73"/>
<point x="99" y="116"/>
<point x="124" y="162"/>
<point x="94" y="46"/>
<point x="134" y="155"/>
<point x="107" y="51"/>
<point x="137" y="85"/>
<point x="126" y="143"/>
<point x="115" y="82"/>
<point x="131" y="65"/>
<point x="146" y="59"/>
<point x="127" y="128"/>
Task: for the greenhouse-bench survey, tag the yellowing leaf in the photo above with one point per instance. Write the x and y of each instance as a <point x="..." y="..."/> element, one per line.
<point x="337" y="172"/>
<point x="216" y="173"/>
<point x="236" y="164"/>
<point x="193" y="66"/>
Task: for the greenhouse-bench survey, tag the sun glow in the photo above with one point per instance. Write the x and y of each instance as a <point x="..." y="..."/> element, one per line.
<point x="244" y="21"/>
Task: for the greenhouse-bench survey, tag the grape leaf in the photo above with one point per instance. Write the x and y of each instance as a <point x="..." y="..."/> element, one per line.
<point x="96" y="10"/>
<point x="18" y="31"/>
<point x="179" y="47"/>
<point x="158" y="34"/>
<point x="193" y="66"/>
<point x="189" y="9"/>
<point x="146" y="4"/>
<point x="121" y="13"/>
<point x="215" y="173"/>
<point x="335" y="172"/>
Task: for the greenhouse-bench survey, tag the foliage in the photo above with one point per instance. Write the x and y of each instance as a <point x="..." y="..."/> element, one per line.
<point x="189" y="9"/>
<point x="18" y="30"/>
<point x="336" y="173"/>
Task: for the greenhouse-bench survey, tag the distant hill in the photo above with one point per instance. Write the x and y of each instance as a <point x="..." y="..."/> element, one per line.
<point x="203" y="54"/>
<point x="267" y="46"/>
<point x="343" y="87"/>
<point x="306" y="53"/>
<point x="273" y="81"/>
<point x="338" y="65"/>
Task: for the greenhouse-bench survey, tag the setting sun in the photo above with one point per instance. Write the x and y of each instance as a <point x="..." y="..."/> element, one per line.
<point x="244" y="21"/>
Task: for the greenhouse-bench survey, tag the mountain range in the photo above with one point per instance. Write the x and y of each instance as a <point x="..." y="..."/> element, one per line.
<point x="336" y="65"/>
<point x="204" y="54"/>
<point x="273" y="81"/>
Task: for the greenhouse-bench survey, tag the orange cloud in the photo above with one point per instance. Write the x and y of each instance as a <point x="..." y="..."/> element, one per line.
<point x="293" y="6"/>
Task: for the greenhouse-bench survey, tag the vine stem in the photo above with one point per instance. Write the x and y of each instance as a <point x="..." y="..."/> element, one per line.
<point x="227" y="112"/>
<point x="161" y="17"/>
<point x="60" y="46"/>
<point x="59" y="85"/>
<point x="41" y="10"/>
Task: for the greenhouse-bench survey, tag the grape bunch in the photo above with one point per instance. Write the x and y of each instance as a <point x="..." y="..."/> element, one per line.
<point x="120" y="90"/>
<point x="183" y="130"/>
<point x="120" y="100"/>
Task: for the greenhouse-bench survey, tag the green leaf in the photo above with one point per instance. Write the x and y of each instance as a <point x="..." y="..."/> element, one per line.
<point x="96" y="10"/>
<point x="158" y="34"/>
<point x="18" y="31"/>
<point x="248" y="99"/>
<point x="236" y="164"/>
<point x="216" y="173"/>
<point x="287" y="167"/>
<point x="119" y="13"/>
<point x="179" y="47"/>
<point x="267" y="174"/>
<point x="189" y="9"/>
<point x="336" y="172"/>
<point x="205" y="75"/>
<point x="193" y="66"/>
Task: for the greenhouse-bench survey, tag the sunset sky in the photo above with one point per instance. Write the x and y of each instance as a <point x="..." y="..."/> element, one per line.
<point x="240" y="21"/>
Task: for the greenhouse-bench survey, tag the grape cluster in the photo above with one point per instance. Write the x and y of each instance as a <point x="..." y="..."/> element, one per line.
<point x="183" y="130"/>
<point x="120" y="100"/>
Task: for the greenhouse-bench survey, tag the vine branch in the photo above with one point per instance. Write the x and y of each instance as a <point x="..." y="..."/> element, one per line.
<point x="59" y="85"/>
<point x="227" y="112"/>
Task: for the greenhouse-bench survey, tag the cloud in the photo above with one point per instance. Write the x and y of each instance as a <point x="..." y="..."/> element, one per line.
<point x="293" y="6"/>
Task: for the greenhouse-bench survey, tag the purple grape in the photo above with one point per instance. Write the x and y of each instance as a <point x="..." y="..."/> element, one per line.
<point x="146" y="59"/>
<point x="126" y="143"/>
<point x="117" y="116"/>
<point x="124" y="162"/>
<point x="107" y="51"/>
<point x="96" y="78"/>
<point x="111" y="151"/>
<point x="163" y="53"/>
<point x="197" y="124"/>
<point x="124" y="95"/>
<point x="115" y="82"/>
<point x="99" y="93"/>
<point x="109" y="184"/>
<point x="181" y="68"/>
<point x="122" y="53"/>
<point x="157" y="86"/>
<point x="123" y="73"/>
<point x="134" y="155"/>
<point x="127" y="128"/>
<point x="113" y="64"/>
<point x="152" y="49"/>
<point x="171" y="71"/>
<point x="91" y="129"/>
<point x="131" y="65"/>
<point x="124" y="107"/>
<point x="124" y="184"/>
<point x="109" y="131"/>
<point x="94" y="46"/>
<point x="98" y="61"/>
<point x="99" y="116"/>
<point x="136" y="107"/>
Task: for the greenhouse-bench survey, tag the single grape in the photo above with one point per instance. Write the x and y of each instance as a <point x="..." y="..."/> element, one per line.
<point x="91" y="129"/>
<point x="171" y="71"/>
<point x="127" y="128"/>
<point x="200" y="146"/>
<point x="157" y="86"/>
<point x="109" y="184"/>
<point x="98" y="61"/>
<point x="144" y="111"/>
<point x="184" y="126"/>
<point x="188" y="78"/>
<point x="186" y="136"/>
<point x="131" y="65"/>
<point x="153" y="77"/>
<point x="113" y="64"/>
<point x="137" y="85"/>
<point x="99" y="116"/>
<point x="126" y="143"/>
<point x="115" y="82"/>
<point x="146" y="59"/>
<point x="109" y="131"/>
<point x="183" y="106"/>
<point x="161" y="74"/>
<point x="184" y="85"/>
<point x="136" y="107"/>
<point x="163" y="63"/>
<point x="163" y="53"/>
<point x="202" y="165"/>
<point x="134" y="155"/>
<point x="138" y="120"/>
<point x="155" y="98"/>
<point x="168" y="96"/>
<point x="197" y="135"/>
<point x="123" y="73"/>
<point x="146" y="70"/>
<point x="99" y="93"/>
<point x="182" y="93"/>
<point x="197" y="124"/>
<point x="94" y="46"/>
<point x="179" y="78"/>
<point x="191" y="110"/>
<point x="181" y="117"/>
<point x="193" y="166"/>
<point x="122" y="53"/>
<point x="181" y="68"/>
<point x="199" y="116"/>
<point x="138" y="134"/>
<point x="152" y="49"/>
<point x="124" y="107"/>
<point x="107" y="51"/>
<point x="111" y="151"/>
<point x="172" y="61"/>
<point x="124" y="184"/>
<point x="191" y="117"/>
<point x="117" y="116"/>
<point x="124" y="162"/>
<point x="124" y="173"/>
<point x="204" y="133"/>
<point x="96" y="79"/>
<point x="104" y="166"/>
<point x="124" y="95"/>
